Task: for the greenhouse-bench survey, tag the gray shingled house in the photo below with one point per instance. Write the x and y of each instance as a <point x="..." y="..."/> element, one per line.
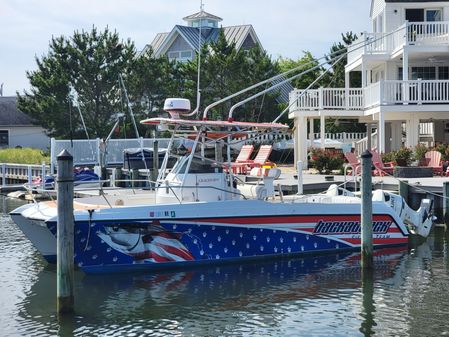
<point x="17" y="129"/>
<point x="182" y="42"/>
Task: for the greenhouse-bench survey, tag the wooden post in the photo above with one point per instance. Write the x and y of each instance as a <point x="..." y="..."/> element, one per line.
<point x="64" y="261"/>
<point x="30" y="175"/>
<point x="367" y="212"/>
<point x="446" y="202"/>
<point x="155" y="171"/>
<point x="403" y="189"/>
<point x="118" y="177"/>
<point x="3" y="174"/>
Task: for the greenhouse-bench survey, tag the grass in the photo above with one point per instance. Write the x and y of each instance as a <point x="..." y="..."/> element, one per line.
<point x="23" y="156"/>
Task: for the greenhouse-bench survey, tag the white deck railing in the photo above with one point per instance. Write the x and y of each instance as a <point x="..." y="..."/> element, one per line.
<point x="380" y="93"/>
<point x="410" y="33"/>
<point x="344" y="137"/>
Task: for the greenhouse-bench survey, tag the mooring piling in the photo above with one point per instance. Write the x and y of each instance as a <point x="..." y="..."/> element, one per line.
<point x="64" y="263"/>
<point x="446" y="202"/>
<point x="367" y="211"/>
<point x="403" y="189"/>
<point x="155" y="171"/>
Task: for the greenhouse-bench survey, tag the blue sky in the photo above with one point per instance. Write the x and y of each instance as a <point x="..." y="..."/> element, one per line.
<point x="284" y="27"/>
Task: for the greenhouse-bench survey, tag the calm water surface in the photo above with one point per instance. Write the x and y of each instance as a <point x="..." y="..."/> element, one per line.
<point x="324" y="296"/>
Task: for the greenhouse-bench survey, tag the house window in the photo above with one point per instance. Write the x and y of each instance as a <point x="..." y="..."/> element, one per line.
<point x="181" y="56"/>
<point x="424" y="73"/>
<point x="433" y="15"/>
<point x="4" y="138"/>
<point x="443" y="73"/>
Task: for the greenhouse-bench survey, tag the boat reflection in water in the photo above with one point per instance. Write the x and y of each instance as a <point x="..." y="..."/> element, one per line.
<point x="259" y="297"/>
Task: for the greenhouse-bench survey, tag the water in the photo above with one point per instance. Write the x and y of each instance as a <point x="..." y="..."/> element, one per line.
<point x="323" y="296"/>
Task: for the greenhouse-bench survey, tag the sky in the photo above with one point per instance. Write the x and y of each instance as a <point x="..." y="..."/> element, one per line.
<point x="285" y="27"/>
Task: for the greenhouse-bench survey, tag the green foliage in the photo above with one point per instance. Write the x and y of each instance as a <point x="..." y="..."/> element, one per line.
<point x="305" y="63"/>
<point x="444" y="150"/>
<point x="389" y="157"/>
<point x="403" y="156"/>
<point x="23" y="156"/>
<point x="224" y="71"/>
<point x="326" y="161"/>
<point x="90" y="62"/>
<point x="420" y="152"/>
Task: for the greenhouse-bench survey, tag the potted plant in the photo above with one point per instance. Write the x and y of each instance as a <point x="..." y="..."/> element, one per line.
<point x="325" y="161"/>
<point x="403" y="156"/>
<point x="420" y="154"/>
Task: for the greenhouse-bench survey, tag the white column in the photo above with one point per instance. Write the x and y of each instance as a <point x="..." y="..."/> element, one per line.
<point x="405" y="78"/>
<point x="347" y="80"/>
<point x="322" y="130"/>
<point x="295" y="139"/>
<point x="311" y="127"/>
<point x="381" y="133"/>
<point x="412" y="131"/>
<point x="363" y="73"/>
<point x="396" y="135"/>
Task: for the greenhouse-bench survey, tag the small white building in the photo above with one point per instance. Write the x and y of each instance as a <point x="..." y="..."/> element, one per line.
<point x="404" y="63"/>
<point x="17" y="129"/>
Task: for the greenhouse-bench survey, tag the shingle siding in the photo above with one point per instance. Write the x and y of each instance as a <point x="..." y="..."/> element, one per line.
<point x="10" y="115"/>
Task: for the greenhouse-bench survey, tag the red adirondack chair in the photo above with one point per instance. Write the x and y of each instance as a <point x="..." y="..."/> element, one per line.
<point x="260" y="160"/>
<point x="435" y="162"/>
<point x="245" y="153"/>
<point x="353" y="161"/>
<point x="381" y="168"/>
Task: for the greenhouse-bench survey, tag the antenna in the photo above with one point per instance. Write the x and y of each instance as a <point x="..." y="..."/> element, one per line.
<point x="198" y="88"/>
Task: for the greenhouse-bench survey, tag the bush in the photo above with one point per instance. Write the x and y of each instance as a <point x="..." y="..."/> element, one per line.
<point x="389" y="157"/>
<point x="325" y="160"/>
<point x="23" y="156"/>
<point x="444" y="150"/>
<point x="403" y="156"/>
<point x="420" y="152"/>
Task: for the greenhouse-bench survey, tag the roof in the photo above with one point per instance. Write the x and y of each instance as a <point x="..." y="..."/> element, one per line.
<point x="10" y="115"/>
<point x="233" y="34"/>
<point x="201" y="15"/>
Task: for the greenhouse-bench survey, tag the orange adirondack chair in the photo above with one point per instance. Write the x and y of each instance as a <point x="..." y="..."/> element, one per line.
<point x="245" y="153"/>
<point x="435" y="161"/>
<point x="381" y="168"/>
<point x="353" y="161"/>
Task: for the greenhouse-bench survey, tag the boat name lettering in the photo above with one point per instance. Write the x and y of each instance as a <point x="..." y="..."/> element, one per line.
<point x="349" y="227"/>
<point x="207" y="180"/>
<point x="163" y="214"/>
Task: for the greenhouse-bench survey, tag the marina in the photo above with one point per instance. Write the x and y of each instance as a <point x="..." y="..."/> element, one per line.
<point x="271" y="298"/>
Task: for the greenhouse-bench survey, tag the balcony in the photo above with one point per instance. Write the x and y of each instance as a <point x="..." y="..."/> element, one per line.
<point x="410" y="33"/>
<point x="416" y="92"/>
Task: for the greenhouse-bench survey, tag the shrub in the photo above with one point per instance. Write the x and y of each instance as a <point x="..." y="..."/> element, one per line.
<point x="420" y="152"/>
<point x="444" y="150"/>
<point x="403" y="156"/>
<point x="325" y="160"/>
<point x="388" y="157"/>
<point x="23" y="156"/>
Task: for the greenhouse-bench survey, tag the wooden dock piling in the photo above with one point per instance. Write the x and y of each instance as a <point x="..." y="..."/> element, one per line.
<point x="65" y="233"/>
<point x="367" y="212"/>
<point x="446" y="202"/>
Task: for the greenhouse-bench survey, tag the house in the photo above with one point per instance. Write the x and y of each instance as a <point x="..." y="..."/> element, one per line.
<point x="183" y="41"/>
<point x="17" y="129"/>
<point x="404" y="65"/>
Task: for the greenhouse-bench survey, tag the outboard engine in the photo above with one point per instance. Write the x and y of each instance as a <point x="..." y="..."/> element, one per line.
<point x="419" y="222"/>
<point x="177" y="107"/>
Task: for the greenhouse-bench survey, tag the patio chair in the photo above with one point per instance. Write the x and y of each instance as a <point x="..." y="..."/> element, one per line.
<point x="435" y="162"/>
<point x="381" y="168"/>
<point x="260" y="160"/>
<point x="353" y="162"/>
<point x="245" y="153"/>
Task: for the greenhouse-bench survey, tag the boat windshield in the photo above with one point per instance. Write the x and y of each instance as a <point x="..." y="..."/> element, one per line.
<point x="197" y="166"/>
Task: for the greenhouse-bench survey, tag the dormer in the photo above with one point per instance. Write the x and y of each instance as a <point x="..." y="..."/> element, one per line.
<point x="202" y="19"/>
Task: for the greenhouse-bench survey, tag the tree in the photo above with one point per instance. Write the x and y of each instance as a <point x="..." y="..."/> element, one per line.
<point x="336" y="79"/>
<point x="88" y="62"/>
<point x="224" y="71"/>
<point x="305" y="63"/>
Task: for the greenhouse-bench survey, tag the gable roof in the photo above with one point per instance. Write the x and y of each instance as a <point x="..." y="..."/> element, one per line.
<point x="233" y="34"/>
<point x="10" y="115"/>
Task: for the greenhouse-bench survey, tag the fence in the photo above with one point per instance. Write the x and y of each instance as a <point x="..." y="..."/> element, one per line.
<point x="89" y="152"/>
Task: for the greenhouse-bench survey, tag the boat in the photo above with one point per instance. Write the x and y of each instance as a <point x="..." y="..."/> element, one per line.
<point x="203" y="216"/>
